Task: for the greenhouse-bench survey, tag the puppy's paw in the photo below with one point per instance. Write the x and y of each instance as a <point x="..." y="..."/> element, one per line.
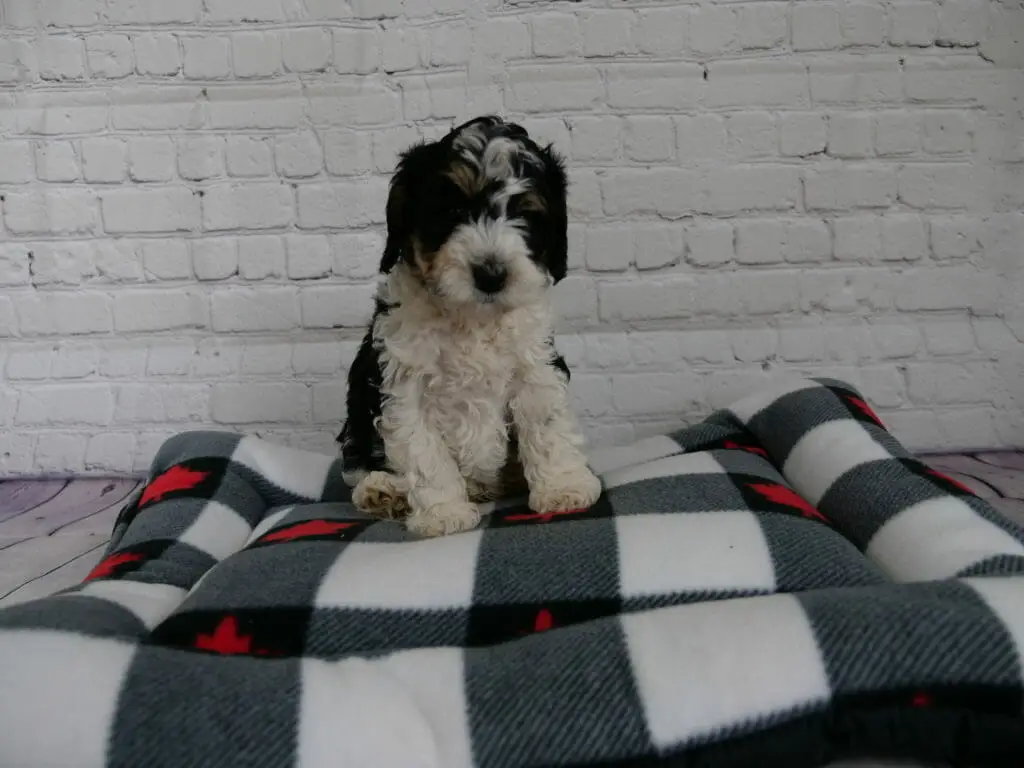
<point x="443" y="519"/>
<point x="569" y="491"/>
<point x="379" y="494"/>
<point x="480" y="491"/>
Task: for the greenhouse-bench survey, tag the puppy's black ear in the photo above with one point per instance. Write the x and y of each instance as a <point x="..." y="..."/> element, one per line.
<point x="398" y="224"/>
<point x="557" y="186"/>
<point x="413" y="167"/>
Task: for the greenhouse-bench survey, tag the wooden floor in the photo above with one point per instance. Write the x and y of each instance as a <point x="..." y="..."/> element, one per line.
<point x="52" y="532"/>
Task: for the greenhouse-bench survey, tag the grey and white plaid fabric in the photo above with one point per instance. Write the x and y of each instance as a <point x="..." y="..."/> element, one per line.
<point x="781" y="585"/>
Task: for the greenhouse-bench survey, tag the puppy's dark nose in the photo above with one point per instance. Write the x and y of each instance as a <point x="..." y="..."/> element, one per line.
<point x="489" y="276"/>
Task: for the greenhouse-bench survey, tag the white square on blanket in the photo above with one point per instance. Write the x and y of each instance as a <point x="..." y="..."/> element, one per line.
<point x="936" y="539"/>
<point x="828" y="452"/>
<point x="682" y="464"/>
<point x="703" y="551"/>
<point x="1005" y="598"/>
<point x="303" y="473"/>
<point x="705" y="668"/>
<point x="150" y="602"/>
<point x="407" y="710"/>
<point x="417" y="575"/>
<point x="60" y="694"/>
<point x="218" y="530"/>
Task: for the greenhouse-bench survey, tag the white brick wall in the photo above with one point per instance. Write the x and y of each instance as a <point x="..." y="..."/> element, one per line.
<point x="192" y="198"/>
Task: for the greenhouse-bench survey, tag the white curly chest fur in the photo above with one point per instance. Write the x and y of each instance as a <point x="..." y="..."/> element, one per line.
<point x="452" y="382"/>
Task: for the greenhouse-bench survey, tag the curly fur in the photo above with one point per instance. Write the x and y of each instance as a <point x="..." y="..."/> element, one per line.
<point x="457" y="386"/>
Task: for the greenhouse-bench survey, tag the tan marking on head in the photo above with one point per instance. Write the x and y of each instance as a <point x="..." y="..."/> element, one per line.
<point x="428" y="266"/>
<point x="533" y="201"/>
<point x="466" y="178"/>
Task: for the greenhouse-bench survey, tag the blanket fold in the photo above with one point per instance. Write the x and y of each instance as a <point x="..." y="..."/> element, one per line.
<point x="782" y="584"/>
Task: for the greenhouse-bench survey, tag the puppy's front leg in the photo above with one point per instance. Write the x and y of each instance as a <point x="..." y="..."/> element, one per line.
<point x="437" y="498"/>
<point x="550" y="444"/>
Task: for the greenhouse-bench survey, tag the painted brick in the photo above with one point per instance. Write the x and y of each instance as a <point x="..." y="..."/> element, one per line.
<point x="157" y="311"/>
<point x="306" y="50"/>
<point x="261" y="257"/>
<point x="298" y="155"/>
<point x="215" y="259"/>
<point x="649" y="138"/>
<point x="650" y="86"/>
<point x="850" y="187"/>
<point x="151" y="159"/>
<point x="165" y="259"/>
<point x="954" y="237"/>
<point x="234" y="206"/>
<point x="157" y="54"/>
<point x="549" y="89"/>
<point x="662" y="31"/>
<point x="938" y="186"/>
<point x="913" y="23"/>
<point x="206" y="58"/>
<point x="356" y="256"/>
<point x="857" y="80"/>
<point x="751" y="134"/>
<point x="65" y="405"/>
<point x="109" y="56"/>
<point x="770" y="83"/>
<point x="668" y="192"/>
<point x="947" y="132"/>
<point x="309" y="256"/>
<point x="556" y="34"/>
<point x="349" y="153"/>
<point x="61" y="58"/>
<point x="243" y="309"/>
<point x="342" y="204"/>
<point x="816" y="27"/>
<point x="256" y="54"/>
<point x="713" y="30"/>
<point x="802" y="133"/>
<point x="65" y="211"/>
<point x="896" y="133"/>
<point x="862" y="23"/>
<point x="763" y="25"/>
<point x="57" y="161"/>
<point x="65" y="452"/>
<point x="16" y="162"/>
<point x="710" y="243"/>
<point x="200" y="157"/>
<point x="753" y="187"/>
<point x="593" y="138"/>
<point x="166" y="209"/>
<point x="760" y="242"/>
<point x="147" y="12"/>
<point x="249" y="156"/>
<point x="700" y="140"/>
<point x="337" y="306"/>
<point x="962" y="22"/>
<point x="849" y="135"/>
<point x="260" y="403"/>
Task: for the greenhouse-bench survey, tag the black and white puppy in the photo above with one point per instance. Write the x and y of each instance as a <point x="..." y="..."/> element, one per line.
<point x="457" y="386"/>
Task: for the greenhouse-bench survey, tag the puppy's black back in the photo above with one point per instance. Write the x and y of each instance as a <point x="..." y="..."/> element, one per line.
<point x="362" y="447"/>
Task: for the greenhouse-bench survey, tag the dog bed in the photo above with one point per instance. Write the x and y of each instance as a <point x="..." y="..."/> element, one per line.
<point x="782" y="584"/>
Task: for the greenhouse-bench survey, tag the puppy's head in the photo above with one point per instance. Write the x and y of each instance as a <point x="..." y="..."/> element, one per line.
<point x="479" y="217"/>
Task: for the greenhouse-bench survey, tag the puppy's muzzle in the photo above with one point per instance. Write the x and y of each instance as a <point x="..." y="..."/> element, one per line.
<point x="489" y="276"/>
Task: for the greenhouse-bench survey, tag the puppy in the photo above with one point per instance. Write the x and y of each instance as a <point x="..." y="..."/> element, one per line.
<point x="457" y="395"/>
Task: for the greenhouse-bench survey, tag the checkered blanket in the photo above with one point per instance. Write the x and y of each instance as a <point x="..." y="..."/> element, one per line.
<point x="781" y="585"/>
